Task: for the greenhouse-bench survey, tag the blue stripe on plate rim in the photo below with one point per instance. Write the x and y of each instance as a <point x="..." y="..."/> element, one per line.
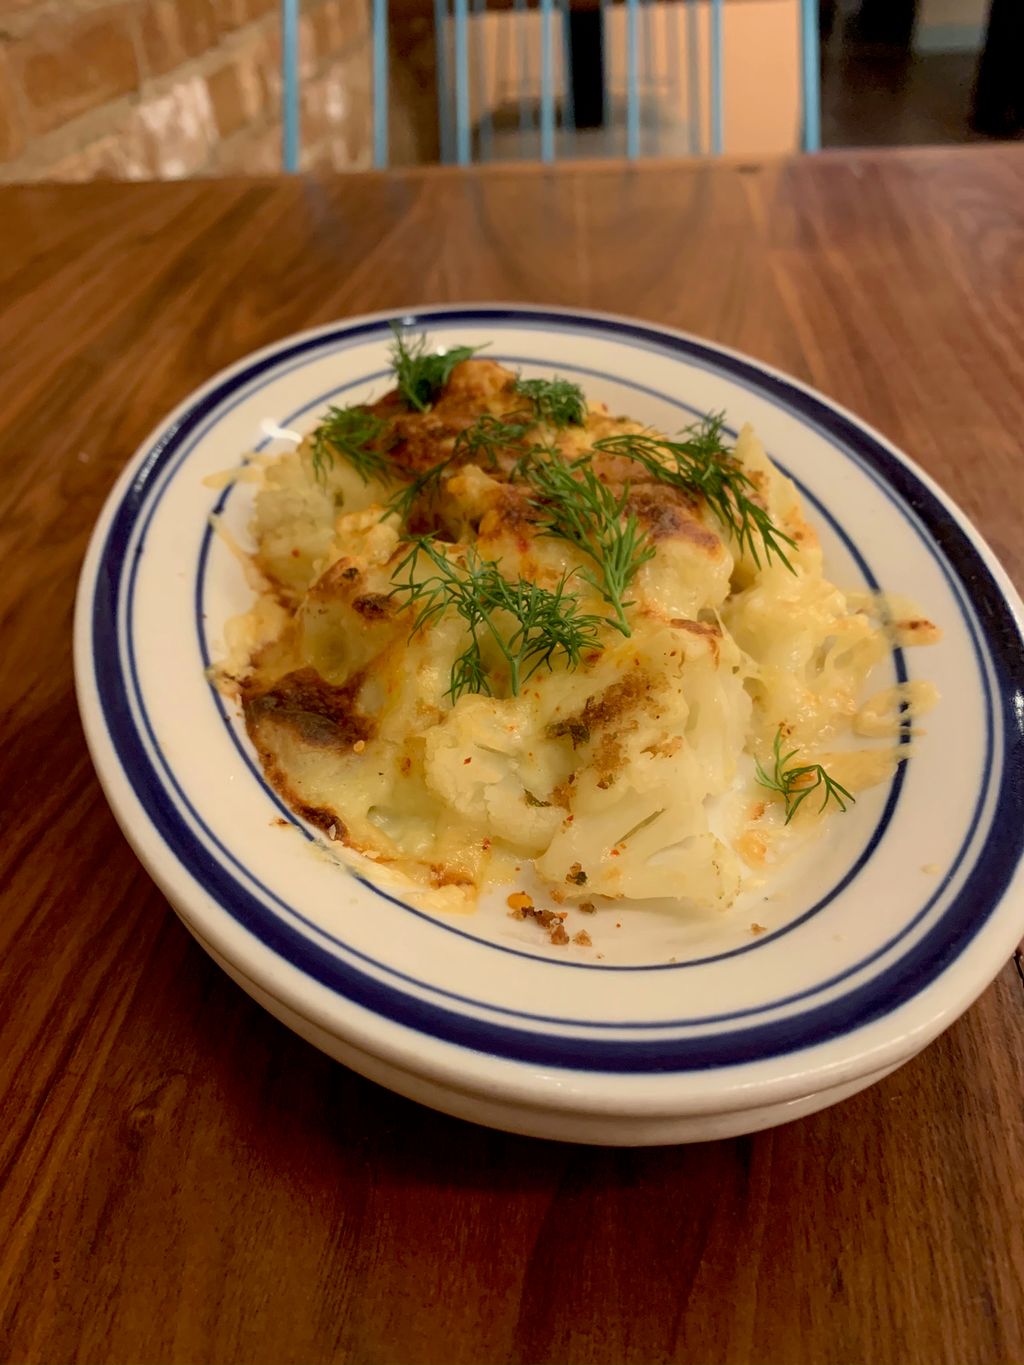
<point x="562" y="1020"/>
<point x="962" y="563"/>
<point x="255" y="771"/>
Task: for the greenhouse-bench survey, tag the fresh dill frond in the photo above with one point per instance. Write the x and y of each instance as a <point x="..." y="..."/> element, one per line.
<point x="421" y="373"/>
<point x="489" y="435"/>
<point x="577" y="507"/>
<point x="482" y="440"/>
<point x="795" y="784"/>
<point x="557" y="402"/>
<point x="354" y="434"/>
<point x="702" y="463"/>
<point x="425" y="485"/>
<point x="530" y="626"/>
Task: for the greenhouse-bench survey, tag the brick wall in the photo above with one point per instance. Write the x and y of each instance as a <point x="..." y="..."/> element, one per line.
<point x="168" y="88"/>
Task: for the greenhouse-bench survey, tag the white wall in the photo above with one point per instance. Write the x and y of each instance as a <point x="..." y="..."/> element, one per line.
<point x="761" y="77"/>
<point x="950" y="25"/>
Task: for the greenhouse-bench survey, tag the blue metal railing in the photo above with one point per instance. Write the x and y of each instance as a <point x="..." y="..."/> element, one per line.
<point x="456" y="105"/>
<point x="380" y="83"/>
<point x="290" y="84"/>
<point x="717" y="82"/>
<point x="810" y="54"/>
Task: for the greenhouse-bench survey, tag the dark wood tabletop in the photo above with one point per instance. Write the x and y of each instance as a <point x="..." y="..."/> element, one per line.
<point x="181" y="1179"/>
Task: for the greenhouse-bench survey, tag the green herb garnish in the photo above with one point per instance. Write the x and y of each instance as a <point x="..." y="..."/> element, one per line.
<point x="423" y="485"/>
<point x="577" y="507"/>
<point x="488" y="435"/>
<point x="556" y="402"/>
<point x="530" y="626"/>
<point x="703" y="464"/>
<point x="797" y="783"/>
<point x="483" y="439"/>
<point x="352" y="433"/>
<point x="422" y="374"/>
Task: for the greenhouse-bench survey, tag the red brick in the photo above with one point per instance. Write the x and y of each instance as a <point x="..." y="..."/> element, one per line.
<point x="180" y="128"/>
<point x="338" y="132"/>
<point x="120" y="155"/>
<point x="328" y="33"/>
<point x="12" y="135"/>
<point x="175" y="30"/>
<point x="254" y="152"/>
<point x="70" y="64"/>
<point x="238" y="90"/>
<point x="353" y="19"/>
<point x="226" y="97"/>
<point x="232" y="14"/>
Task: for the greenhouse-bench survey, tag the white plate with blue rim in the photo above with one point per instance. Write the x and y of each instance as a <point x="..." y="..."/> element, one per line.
<point x="685" y="1029"/>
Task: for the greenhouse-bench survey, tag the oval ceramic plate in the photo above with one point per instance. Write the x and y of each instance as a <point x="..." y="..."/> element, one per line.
<point x="671" y="1027"/>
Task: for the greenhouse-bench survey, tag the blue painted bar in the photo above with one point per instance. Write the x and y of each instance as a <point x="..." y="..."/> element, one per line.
<point x="717" y="94"/>
<point x="693" y="91"/>
<point x="485" y="118"/>
<point x="632" y="82"/>
<point x="290" y="83"/>
<point x="547" y="93"/>
<point x="444" y="93"/>
<point x="462" y="128"/>
<point x="811" y="60"/>
<point x="380" y="83"/>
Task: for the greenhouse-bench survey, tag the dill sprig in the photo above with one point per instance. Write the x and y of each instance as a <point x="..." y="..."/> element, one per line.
<point x="547" y="624"/>
<point x="422" y="374"/>
<point x="354" y="434"/>
<point x="557" y="402"/>
<point x="797" y="783"/>
<point x="577" y="507"/>
<point x="703" y="464"/>
<point x="482" y="440"/>
<point x="489" y="435"/>
<point x="424" y="485"/>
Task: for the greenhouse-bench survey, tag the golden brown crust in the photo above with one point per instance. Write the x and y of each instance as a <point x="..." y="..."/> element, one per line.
<point x="321" y="715"/>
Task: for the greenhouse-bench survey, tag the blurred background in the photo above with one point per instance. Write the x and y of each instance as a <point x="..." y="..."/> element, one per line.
<point x="172" y="88"/>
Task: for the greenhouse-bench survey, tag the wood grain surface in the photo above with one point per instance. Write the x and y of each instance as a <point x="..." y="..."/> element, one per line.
<point x="181" y="1180"/>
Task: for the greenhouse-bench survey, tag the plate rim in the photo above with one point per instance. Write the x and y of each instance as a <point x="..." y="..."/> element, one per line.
<point x="165" y="431"/>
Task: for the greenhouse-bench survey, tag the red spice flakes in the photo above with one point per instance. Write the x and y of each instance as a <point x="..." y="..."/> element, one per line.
<point x="583" y="939"/>
<point x="618" y="924"/>
<point x="467" y="760"/>
<point x="295" y="554"/>
<point x="406" y="766"/>
<point x="281" y="823"/>
<point x="756" y="928"/>
<point x="616" y="852"/>
<point x="588" y="907"/>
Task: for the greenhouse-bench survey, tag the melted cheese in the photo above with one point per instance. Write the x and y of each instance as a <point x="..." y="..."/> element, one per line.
<point x="604" y="776"/>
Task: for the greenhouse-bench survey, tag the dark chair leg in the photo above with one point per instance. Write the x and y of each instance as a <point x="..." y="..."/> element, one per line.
<point x="586" y="39"/>
<point x="998" y="109"/>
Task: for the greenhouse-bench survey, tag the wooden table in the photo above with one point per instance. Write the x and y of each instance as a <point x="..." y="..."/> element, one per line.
<point x="184" y="1181"/>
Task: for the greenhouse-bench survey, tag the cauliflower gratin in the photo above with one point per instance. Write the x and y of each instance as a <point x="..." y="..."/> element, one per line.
<point x="498" y="624"/>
